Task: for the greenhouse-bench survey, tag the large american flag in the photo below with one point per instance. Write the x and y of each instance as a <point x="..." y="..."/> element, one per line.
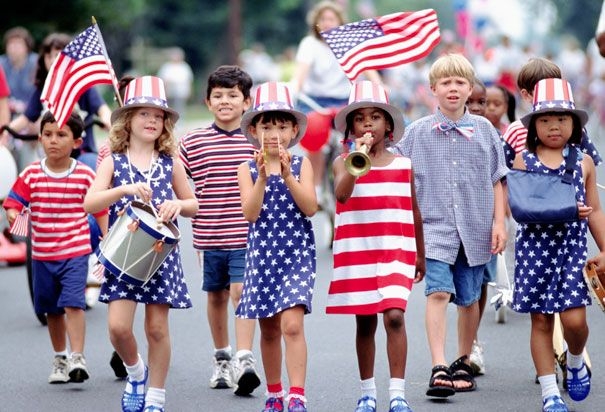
<point x="82" y="64"/>
<point x="383" y="42"/>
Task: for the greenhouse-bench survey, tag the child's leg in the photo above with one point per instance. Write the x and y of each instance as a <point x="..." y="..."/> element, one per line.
<point x="120" y="318"/>
<point x="244" y="328"/>
<point x="76" y="328"/>
<point x="468" y="323"/>
<point x="57" y="331"/>
<point x="541" y="343"/>
<point x="397" y="345"/>
<point x="365" y="344"/>
<point x="293" y="330"/>
<point x="217" y="312"/>
<point x="270" y="347"/>
<point x="575" y="329"/>
<point x="435" y="319"/>
<point x="158" y="339"/>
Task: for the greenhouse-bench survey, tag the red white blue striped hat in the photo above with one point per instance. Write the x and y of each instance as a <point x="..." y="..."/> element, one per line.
<point x="145" y="91"/>
<point x="366" y="94"/>
<point x="554" y="95"/>
<point x="273" y="97"/>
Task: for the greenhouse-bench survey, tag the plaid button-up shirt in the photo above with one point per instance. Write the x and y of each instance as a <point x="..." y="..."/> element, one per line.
<point x="454" y="176"/>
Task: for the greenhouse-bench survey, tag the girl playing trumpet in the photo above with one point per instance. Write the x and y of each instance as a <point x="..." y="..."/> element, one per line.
<point x="378" y="240"/>
<point x="278" y="199"/>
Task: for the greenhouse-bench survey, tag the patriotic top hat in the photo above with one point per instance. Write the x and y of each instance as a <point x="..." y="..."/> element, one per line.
<point x="366" y="94"/>
<point x="273" y="97"/>
<point x="146" y="91"/>
<point x="554" y="95"/>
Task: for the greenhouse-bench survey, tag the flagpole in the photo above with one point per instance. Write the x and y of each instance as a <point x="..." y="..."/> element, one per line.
<point x="114" y="80"/>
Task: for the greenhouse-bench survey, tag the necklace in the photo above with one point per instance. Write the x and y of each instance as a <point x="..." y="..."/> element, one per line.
<point x="149" y="170"/>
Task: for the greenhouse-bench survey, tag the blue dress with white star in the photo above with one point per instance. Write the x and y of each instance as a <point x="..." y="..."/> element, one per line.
<point x="549" y="258"/>
<point x="280" y="258"/>
<point x="167" y="285"/>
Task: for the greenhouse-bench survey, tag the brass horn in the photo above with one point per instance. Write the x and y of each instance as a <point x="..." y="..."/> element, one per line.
<point x="357" y="162"/>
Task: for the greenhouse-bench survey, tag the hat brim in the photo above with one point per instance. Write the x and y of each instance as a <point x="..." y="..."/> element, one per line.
<point x="301" y="121"/>
<point x="340" y="121"/>
<point x="582" y="115"/>
<point x="172" y="114"/>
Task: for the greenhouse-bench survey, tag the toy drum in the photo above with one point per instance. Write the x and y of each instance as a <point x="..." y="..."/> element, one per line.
<point x="136" y="245"/>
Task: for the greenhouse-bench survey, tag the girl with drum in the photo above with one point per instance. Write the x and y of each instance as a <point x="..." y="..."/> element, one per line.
<point x="143" y="167"/>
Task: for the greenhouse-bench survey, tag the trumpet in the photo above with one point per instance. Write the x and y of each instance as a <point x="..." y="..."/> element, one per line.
<point x="358" y="162"/>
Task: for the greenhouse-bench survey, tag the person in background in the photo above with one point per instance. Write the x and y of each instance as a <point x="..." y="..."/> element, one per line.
<point x="178" y="78"/>
<point x="211" y="156"/>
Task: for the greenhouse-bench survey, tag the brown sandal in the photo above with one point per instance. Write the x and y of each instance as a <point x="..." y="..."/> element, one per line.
<point x="461" y="372"/>
<point x="440" y="372"/>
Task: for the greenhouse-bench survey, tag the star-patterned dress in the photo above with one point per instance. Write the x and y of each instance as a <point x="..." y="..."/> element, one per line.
<point x="167" y="285"/>
<point x="280" y="258"/>
<point x="549" y="258"/>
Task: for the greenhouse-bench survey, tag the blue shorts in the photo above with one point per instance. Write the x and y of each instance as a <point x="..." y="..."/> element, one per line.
<point x="222" y="267"/>
<point x="59" y="284"/>
<point x="459" y="279"/>
<point x="491" y="268"/>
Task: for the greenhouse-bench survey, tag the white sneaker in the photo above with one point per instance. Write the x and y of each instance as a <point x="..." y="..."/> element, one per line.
<point x="222" y="371"/>
<point x="59" y="373"/>
<point x="77" y="368"/>
<point x="244" y="374"/>
<point x="477" y="362"/>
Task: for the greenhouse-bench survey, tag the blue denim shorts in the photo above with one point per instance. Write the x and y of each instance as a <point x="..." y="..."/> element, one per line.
<point x="461" y="280"/>
<point x="59" y="284"/>
<point x="221" y="268"/>
<point x="491" y="268"/>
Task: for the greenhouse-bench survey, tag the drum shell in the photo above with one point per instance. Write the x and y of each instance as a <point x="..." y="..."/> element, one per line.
<point x="131" y="255"/>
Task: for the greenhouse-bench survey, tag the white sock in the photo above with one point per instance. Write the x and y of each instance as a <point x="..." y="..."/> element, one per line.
<point x="155" y="397"/>
<point x="576" y="362"/>
<point x="396" y="388"/>
<point x="225" y="349"/>
<point x="368" y="387"/>
<point x="136" y="372"/>
<point x="241" y="353"/>
<point x="62" y="353"/>
<point x="548" y="383"/>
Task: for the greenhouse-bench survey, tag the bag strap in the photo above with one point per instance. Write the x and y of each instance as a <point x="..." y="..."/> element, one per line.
<point x="570" y="163"/>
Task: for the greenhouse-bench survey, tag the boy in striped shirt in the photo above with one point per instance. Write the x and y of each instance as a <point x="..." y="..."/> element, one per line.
<point x="53" y="190"/>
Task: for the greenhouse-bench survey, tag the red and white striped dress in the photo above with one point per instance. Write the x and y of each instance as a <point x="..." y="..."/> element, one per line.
<point x="374" y="243"/>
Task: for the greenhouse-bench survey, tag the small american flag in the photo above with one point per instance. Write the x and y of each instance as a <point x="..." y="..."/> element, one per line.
<point x="20" y="226"/>
<point x="82" y="64"/>
<point x="384" y="42"/>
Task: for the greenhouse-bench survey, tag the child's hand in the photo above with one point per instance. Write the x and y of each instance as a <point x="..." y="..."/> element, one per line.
<point x="420" y="269"/>
<point x="169" y="210"/>
<point x="367" y="139"/>
<point x="583" y="210"/>
<point x="140" y="190"/>
<point x="11" y="215"/>
<point x="284" y="161"/>
<point x="599" y="262"/>
<point x="261" y="164"/>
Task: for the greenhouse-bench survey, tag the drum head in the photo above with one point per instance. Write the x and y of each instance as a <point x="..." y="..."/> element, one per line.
<point x="146" y="215"/>
<point x="8" y="171"/>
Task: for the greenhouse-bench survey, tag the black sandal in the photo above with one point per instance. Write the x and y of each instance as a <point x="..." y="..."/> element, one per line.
<point x="440" y="372"/>
<point x="461" y="372"/>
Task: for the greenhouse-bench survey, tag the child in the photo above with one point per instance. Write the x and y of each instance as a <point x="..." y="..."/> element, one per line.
<point x="531" y="73"/>
<point x="211" y="157"/>
<point x="378" y="241"/>
<point x="477" y="101"/>
<point x="53" y="189"/>
<point x="143" y="165"/>
<point x="550" y="257"/>
<point x="497" y="106"/>
<point x="278" y="199"/>
<point x="459" y="163"/>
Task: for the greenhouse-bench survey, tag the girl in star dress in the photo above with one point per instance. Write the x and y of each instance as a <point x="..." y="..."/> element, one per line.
<point x="378" y="239"/>
<point x="144" y="165"/>
<point x="550" y="257"/>
<point x="278" y="198"/>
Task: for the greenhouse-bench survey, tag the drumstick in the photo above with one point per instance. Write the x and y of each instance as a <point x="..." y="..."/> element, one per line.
<point x="263" y="149"/>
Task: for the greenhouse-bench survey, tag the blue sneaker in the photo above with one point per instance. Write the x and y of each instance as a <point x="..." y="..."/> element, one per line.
<point x="399" y="404"/>
<point x="133" y="398"/>
<point x="366" y="404"/>
<point x="554" y="403"/>
<point x="578" y="388"/>
<point x="274" y="405"/>
<point x="296" y="405"/>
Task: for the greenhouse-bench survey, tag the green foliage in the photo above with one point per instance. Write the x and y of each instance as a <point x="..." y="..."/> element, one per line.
<point x="578" y="18"/>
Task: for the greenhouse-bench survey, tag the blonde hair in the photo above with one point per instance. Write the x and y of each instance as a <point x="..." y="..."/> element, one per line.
<point x="451" y="65"/>
<point x="119" y="135"/>
<point x="316" y="12"/>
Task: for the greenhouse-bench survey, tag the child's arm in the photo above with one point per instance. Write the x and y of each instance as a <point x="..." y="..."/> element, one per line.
<point x="499" y="229"/>
<point x="302" y="190"/>
<point x="419" y="234"/>
<point x="101" y="193"/>
<point x="344" y="182"/>
<point x="596" y="220"/>
<point x="252" y="193"/>
<point x="185" y="203"/>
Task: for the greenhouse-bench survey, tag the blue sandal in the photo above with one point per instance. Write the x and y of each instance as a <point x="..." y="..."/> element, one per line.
<point x="578" y="388"/>
<point x="134" y="401"/>
<point x="153" y="408"/>
<point x="554" y="403"/>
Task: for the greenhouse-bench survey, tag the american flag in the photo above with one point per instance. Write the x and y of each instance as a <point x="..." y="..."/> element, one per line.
<point x="383" y="42"/>
<point x="82" y="64"/>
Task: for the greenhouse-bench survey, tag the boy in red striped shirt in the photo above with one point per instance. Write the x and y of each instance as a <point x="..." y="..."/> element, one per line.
<point x="53" y="190"/>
